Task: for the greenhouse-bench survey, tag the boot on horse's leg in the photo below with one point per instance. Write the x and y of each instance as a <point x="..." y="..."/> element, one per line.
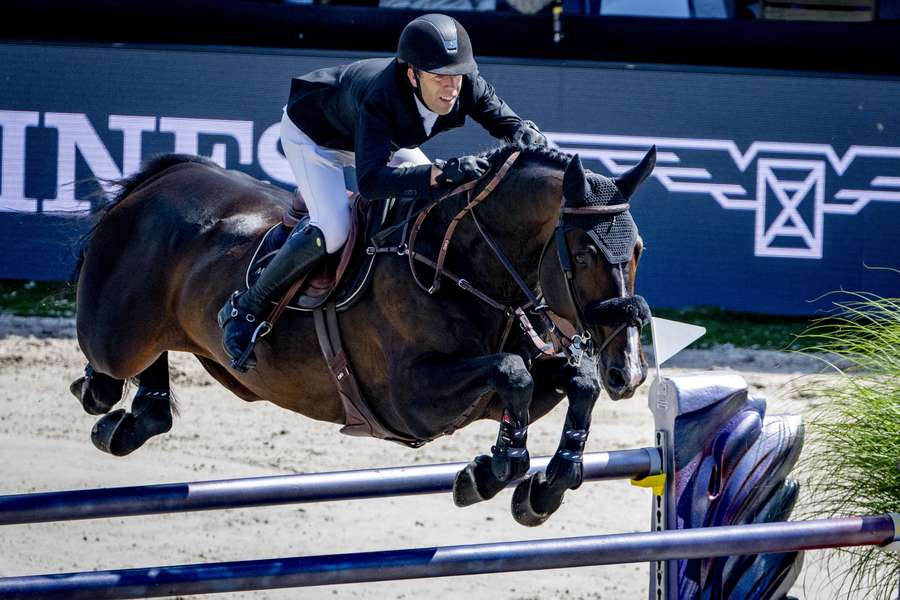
<point x="242" y="316"/>
<point x="484" y="477"/>
<point x="97" y="392"/>
<point x="538" y="497"/>
<point x="120" y="432"/>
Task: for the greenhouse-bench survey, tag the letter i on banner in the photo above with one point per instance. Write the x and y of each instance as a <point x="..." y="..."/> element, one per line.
<point x="671" y="337"/>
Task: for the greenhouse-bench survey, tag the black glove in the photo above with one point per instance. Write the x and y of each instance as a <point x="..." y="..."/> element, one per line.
<point x="528" y="135"/>
<point x="460" y="170"/>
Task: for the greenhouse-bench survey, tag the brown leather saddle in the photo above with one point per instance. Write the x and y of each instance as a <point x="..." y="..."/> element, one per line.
<point x="343" y="276"/>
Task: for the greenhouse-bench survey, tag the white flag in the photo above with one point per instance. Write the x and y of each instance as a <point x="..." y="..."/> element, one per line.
<point x="671" y="337"/>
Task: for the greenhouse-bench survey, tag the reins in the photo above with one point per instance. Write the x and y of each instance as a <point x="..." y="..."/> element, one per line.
<point x="577" y="346"/>
<point x="451" y="229"/>
<point x="408" y="249"/>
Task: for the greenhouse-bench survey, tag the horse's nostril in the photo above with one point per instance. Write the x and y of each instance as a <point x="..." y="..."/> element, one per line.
<point x="615" y="378"/>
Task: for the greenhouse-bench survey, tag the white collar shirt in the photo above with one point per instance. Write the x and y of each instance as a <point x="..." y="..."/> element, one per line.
<point x="428" y="117"/>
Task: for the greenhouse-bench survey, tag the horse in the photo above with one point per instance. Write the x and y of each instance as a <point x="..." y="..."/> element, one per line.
<point x="549" y="240"/>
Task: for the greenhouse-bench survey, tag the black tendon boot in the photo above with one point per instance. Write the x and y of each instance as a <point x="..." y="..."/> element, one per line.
<point x="242" y="316"/>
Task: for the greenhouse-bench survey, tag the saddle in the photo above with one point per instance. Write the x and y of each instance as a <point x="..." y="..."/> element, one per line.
<point x="342" y="276"/>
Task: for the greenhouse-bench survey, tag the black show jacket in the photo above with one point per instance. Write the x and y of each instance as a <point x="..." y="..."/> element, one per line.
<point x="368" y="107"/>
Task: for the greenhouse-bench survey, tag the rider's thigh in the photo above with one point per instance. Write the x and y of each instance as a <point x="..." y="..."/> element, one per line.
<point x="321" y="183"/>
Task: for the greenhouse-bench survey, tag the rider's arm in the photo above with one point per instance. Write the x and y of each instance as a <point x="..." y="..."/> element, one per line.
<point x="491" y="112"/>
<point x="376" y="180"/>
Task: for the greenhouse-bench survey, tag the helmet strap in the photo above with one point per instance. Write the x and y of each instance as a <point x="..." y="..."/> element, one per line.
<point x="417" y="89"/>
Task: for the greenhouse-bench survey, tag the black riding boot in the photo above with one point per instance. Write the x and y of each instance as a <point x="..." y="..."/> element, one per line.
<point x="242" y="316"/>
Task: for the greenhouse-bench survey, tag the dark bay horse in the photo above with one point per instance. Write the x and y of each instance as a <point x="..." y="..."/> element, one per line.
<point x="176" y="240"/>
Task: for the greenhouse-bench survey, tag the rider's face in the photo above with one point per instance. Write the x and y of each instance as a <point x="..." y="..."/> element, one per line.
<point x="439" y="91"/>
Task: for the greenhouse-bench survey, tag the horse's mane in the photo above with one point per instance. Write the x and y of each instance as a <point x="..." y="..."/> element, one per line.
<point x="151" y="168"/>
<point x="543" y="154"/>
<point x="125" y="187"/>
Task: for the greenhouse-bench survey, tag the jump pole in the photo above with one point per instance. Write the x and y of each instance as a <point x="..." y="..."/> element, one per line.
<point x="456" y="560"/>
<point x="286" y="489"/>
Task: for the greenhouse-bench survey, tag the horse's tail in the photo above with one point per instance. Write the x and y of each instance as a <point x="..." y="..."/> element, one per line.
<point x="126" y="186"/>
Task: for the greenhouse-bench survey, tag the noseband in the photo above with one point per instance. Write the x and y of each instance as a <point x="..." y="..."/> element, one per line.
<point x="631" y="311"/>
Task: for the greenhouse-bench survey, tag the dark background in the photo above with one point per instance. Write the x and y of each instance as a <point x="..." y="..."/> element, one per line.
<point x="698" y="252"/>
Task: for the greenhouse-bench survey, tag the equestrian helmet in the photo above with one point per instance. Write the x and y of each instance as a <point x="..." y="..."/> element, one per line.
<point x="437" y="44"/>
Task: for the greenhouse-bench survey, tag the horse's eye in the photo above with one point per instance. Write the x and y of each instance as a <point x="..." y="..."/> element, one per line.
<point x="581" y="259"/>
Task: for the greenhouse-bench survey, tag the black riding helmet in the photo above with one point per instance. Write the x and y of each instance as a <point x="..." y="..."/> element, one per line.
<point x="437" y="44"/>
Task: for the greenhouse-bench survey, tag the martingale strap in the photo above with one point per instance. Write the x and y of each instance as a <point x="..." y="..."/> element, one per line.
<point x="451" y="229"/>
<point x="359" y="420"/>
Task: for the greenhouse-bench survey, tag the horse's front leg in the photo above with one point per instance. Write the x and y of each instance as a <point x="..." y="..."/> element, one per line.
<point x="538" y="497"/>
<point x="507" y="376"/>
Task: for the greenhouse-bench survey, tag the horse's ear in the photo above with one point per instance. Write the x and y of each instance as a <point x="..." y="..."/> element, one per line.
<point x="629" y="181"/>
<point x="575" y="186"/>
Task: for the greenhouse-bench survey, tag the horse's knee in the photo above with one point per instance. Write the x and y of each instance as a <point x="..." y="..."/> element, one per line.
<point x="511" y="375"/>
<point x="583" y="386"/>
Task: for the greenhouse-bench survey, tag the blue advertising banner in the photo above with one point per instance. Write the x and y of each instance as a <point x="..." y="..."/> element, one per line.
<point x="771" y="188"/>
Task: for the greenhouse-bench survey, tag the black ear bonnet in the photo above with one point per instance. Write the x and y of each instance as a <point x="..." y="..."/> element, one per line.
<point x="614" y="234"/>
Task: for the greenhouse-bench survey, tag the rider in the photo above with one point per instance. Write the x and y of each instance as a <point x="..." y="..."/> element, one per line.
<point x="372" y="114"/>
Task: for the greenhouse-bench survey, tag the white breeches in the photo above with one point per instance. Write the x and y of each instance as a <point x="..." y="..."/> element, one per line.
<point x="319" y="173"/>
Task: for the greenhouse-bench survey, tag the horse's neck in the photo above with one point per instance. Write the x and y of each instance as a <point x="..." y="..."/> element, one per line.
<point x="520" y="216"/>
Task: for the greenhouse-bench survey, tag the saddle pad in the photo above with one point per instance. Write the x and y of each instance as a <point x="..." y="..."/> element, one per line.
<point x="321" y="283"/>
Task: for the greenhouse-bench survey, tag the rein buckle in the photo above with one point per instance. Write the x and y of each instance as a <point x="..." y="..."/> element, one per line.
<point x="581" y="345"/>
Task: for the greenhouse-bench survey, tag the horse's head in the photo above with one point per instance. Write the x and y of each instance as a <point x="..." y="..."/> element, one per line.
<point x="588" y="268"/>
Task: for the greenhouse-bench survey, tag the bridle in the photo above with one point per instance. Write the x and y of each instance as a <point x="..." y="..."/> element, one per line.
<point x="622" y="311"/>
<point x="576" y="347"/>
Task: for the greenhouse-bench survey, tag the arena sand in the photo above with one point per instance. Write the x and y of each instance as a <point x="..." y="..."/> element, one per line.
<point x="45" y="445"/>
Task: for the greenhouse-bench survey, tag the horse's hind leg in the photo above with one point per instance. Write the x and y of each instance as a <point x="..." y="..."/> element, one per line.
<point x="121" y="432"/>
<point x="538" y="497"/>
<point x="97" y="392"/>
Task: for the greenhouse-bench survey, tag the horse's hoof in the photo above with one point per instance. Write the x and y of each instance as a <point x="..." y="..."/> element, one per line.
<point x="523" y="510"/>
<point x="465" y="487"/>
<point x="476" y="483"/>
<point x="75" y="387"/>
<point x="97" y="393"/>
<point x="110" y="432"/>
<point x="121" y="433"/>
<point x="81" y="390"/>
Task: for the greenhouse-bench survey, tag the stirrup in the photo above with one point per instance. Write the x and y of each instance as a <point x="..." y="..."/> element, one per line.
<point x="240" y="363"/>
<point x="231" y="311"/>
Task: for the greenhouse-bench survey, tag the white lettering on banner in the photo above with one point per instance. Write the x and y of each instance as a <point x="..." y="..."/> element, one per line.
<point x="12" y="165"/>
<point x="788" y="196"/>
<point x="187" y="136"/>
<point x="787" y="235"/>
<point x="132" y="128"/>
<point x="77" y="134"/>
<point x="270" y="159"/>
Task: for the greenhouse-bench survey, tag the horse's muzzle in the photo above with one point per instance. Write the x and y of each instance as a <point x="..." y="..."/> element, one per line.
<point x="614" y="312"/>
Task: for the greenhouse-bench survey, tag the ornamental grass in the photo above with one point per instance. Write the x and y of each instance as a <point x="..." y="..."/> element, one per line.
<point x="851" y="460"/>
